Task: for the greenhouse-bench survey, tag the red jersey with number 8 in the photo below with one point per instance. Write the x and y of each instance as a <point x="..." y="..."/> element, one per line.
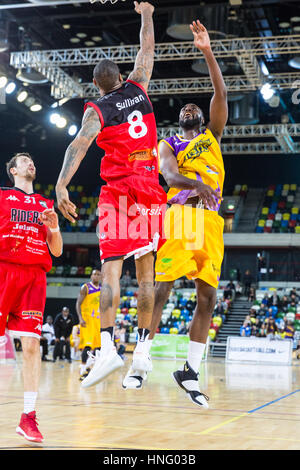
<point x="22" y="235"/>
<point x="128" y="133"/>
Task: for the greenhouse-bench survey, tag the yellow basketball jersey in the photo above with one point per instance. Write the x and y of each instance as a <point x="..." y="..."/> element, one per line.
<point x="199" y="158"/>
<point x="91" y="303"/>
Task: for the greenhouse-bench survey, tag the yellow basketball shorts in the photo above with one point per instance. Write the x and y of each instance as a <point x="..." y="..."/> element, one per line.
<point x="90" y="334"/>
<point x="193" y="245"/>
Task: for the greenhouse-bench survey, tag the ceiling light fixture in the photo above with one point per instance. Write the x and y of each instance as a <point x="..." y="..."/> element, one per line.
<point x="35" y="107"/>
<point x="22" y="95"/>
<point x="72" y="130"/>
<point x="10" y="88"/>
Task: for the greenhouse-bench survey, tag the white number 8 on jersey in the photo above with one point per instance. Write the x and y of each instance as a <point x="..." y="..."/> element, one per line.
<point x="135" y="119"/>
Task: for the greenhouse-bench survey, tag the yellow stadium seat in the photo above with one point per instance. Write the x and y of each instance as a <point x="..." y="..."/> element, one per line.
<point x="212" y="333"/>
<point x="295" y="210"/>
<point x="265" y="210"/>
<point x="286" y="216"/>
<point x="79" y="189"/>
<point x="176" y="313"/>
<point x="270" y="192"/>
<point x="293" y="187"/>
<point x="286" y="187"/>
<point x="261" y="223"/>
<point x="50" y="186"/>
<point x="84" y="200"/>
<point x="297" y="229"/>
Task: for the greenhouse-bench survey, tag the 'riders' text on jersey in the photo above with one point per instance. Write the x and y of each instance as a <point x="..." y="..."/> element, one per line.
<point x="22" y="235"/>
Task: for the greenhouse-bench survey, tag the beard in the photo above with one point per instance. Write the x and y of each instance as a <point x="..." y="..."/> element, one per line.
<point x="30" y="176"/>
<point x="188" y="124"/>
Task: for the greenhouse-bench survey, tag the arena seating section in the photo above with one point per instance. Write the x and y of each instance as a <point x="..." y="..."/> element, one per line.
<point x="279" y="213"/>
<point x="86" y="202"/>
<point x="291" y="314"/>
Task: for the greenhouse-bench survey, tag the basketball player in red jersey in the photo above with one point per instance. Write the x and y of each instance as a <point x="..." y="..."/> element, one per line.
<point x="132" y="203"/>
<point x="28" y="230"/>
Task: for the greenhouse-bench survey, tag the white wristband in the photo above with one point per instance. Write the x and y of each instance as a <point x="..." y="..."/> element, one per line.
<point x="57" y="229"/>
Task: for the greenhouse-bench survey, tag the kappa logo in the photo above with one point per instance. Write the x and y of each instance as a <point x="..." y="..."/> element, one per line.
<point x="12" y="197"/>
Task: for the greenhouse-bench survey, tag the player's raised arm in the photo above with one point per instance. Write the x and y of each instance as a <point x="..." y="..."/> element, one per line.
<point x="75" y="153"/>
<point x="145" y="58"/>
<point x="218" y="112"/>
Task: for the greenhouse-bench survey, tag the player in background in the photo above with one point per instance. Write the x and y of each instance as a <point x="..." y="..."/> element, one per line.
<point x="29" y="232"/>
<point x="88" y="311"/>
<point x="123" y="122"/>
<point x="193" y="168"/>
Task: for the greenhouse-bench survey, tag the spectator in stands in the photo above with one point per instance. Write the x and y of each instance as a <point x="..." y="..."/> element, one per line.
<point x="126" y="280"/>
<point x="293" y="292"/>
<point x="254" y="330"/>
<point x="261" y="268"/>
<point x="47" y="337"/>
<point x="274" y="299"/>
<point x="245" y="329"/>
<point x="251" y="296"/>
<point x="63" y="325"/>
<point x="182" y="330"/>
<point x="219" y="310"/>
<point x="263" y="329"/>
<point x="248" y="279"/>
<point x="271" y="329"/>
<point x="270" y="313"/>
<point x="265" y="300"/>
<point x="284" y="304"/>
<point x="238" y="289"/>
<point x="289" y="330"/>
<point x="229" y="290"/>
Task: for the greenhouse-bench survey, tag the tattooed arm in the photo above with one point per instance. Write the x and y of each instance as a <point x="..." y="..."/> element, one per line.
<point x="75" y="153"/>
<point x="145" y="58"/>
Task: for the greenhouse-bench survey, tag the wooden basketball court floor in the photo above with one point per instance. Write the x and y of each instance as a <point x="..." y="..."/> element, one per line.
<point x="252" y="407"/>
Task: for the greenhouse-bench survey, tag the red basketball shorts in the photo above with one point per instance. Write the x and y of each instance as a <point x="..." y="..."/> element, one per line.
<point x="22" y="299"/>
<point x="131" y="214"/>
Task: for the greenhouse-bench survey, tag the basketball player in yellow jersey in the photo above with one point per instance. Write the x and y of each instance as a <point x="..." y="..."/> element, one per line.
<point x="88" y="311"/>
<point x="192" y="166"/>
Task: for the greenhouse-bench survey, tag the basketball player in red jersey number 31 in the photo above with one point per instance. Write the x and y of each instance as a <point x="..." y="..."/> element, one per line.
<point x="131" y="204"/>
<point x="28" y="230"/>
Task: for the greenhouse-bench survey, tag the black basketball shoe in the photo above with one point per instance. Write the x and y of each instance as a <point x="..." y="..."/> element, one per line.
<point x="187" y="379"/>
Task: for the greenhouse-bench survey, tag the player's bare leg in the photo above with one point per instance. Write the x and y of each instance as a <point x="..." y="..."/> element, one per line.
<point x="31" y="378"/>
<point x="187" y="378"/>
<point x="108" y="360"/>
<point x="141" y="362"/>
<point x="161" y="294"/>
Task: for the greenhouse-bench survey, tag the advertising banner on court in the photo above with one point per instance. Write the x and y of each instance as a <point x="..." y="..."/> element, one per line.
<point x="260" y="350"/>
<point x="172" y="346"/>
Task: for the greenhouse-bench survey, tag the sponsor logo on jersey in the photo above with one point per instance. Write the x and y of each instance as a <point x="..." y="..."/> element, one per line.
<point x="38" y="327"/>
<point x="43" y="204"/>
<point x="129" y="102"/>
<point x="32" y="313"/>
<point x="12" y="197"/>
<point x="212" y="170"/>
<point x="146" y="154"/>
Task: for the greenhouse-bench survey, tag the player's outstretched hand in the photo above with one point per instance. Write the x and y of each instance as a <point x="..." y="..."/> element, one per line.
<point x="209" y="196"/>
<point x="201" y="36"/>
<point x="66" y="207"/>
<point x="49" y="218"/>
<point x="143" y="7"/>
